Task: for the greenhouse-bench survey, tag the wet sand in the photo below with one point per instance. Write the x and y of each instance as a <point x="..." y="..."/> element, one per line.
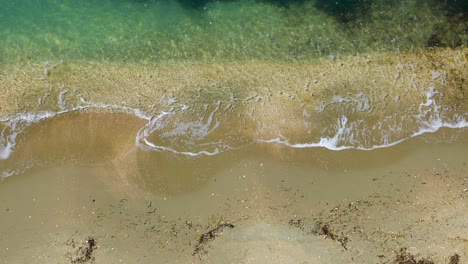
<point x="304" y="206"/>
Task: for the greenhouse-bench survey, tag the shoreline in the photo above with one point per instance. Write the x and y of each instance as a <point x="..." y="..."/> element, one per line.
<point x="358" y="102"/>
<point x="413" y="205"/>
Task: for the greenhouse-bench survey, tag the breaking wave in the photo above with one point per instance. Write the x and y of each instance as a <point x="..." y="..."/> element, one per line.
<point x="209" y="129"/>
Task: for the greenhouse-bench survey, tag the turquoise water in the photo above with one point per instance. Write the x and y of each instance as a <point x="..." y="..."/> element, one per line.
<point x="172" y="31"/>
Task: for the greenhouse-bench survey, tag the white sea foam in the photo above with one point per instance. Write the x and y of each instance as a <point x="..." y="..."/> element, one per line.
<point x="429" y="119"/>
<point x="6" y="174"/>
<point x="14" y="125"/>
<point x="193" y="130"/>
<point x="171" y="131"/>
<point x="61" y="100"/>
<point x="188" y="153"/>
<point x="361" y="101"/>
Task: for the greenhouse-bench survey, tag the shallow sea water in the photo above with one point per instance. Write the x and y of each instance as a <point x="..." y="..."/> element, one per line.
<point x="148" y="125"/>
<point x="177" y="31"/>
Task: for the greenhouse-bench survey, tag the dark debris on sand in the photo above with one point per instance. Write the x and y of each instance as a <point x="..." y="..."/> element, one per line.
<point x="404" y="257"/>
<point x="321" y="229"/>
<point x="209" y="236"/>
<point x="455" y="259"/>
<point x="326" y="231"/>
<point x="82" y="252"/>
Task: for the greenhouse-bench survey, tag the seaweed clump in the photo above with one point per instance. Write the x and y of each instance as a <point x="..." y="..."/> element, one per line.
<point x="84" y="252"/>
<point x="404" y="257"/>
<point x="209" y="236"/>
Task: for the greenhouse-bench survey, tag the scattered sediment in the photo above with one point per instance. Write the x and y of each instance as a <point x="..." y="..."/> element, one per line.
<point x="403" y="257"/>
<point x="209" y="236"/>
<point x="378" y="228"/>
<point x="82" y="252"/>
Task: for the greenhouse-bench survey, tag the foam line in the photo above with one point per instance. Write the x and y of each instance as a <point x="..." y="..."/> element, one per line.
<point x="348" y="134"/>
<point x="429" y="119"/>
<point x="16" y="124"/>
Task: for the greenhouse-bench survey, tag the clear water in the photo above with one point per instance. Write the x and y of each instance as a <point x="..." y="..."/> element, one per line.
<point x="174" y="31"/>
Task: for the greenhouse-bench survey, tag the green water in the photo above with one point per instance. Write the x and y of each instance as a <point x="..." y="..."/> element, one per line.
<point x="174" y="31"/>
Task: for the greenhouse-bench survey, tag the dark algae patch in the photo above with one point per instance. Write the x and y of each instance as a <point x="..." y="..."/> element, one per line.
<point x="328" y="232"/>
<point x="455" y="259"/>
<point x="82" y="252"/>
<point x="321" y="229"/>
<point x="209" y="236"/>
<point x="403" y="257"/>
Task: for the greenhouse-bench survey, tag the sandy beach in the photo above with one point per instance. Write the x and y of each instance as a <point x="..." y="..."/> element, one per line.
<point x="305" y="206"/>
